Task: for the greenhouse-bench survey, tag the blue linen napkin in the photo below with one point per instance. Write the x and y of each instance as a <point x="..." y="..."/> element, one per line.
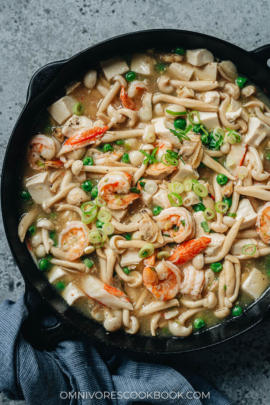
<point x="77" y="373"/>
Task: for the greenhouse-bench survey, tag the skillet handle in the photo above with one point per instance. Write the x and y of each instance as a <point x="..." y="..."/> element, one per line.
<point x="42" y="328"/>
<point x="42" y="78"/>
<point x="262" y="53"/>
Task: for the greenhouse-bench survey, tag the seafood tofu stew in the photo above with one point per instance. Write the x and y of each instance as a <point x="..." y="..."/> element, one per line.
<point x="145" y="193"/>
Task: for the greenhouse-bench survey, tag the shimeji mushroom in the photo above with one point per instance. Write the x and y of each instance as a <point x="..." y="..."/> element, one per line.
<point x="111" y="322"/>
<point x="210" y="301"/>
<point x="25" y="222"/>
<point x="46" y="225"/>
<point x="222" y="112"/>
<point x="229" y="284"/>
<point x="218" y="226"/>
<point x="184" y="102"/>
<point x="134" y="279"/>
<point x="177" y="326"/>
<point x="131" y="323"/>
<point x="257" y="172"/>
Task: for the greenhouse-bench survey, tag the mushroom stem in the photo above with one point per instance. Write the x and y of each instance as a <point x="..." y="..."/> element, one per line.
<point x="200" y="85"/>
<point x="184" y="102"/>
<point x="116" y="135"/>
<point x="212" y="164"/>
<point x="252" y="191"/>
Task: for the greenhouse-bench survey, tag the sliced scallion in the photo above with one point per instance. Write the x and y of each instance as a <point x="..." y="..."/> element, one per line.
<point x="169" y="160"/>
<point x="249" y="249"/>
<point x="146" y="251"/>
<point x="176" y="187"/>
<point x="205" y="226"/>
<point x="175" y="199"/>
<point x="221" y="207"/>
<point x="94" y="237"/>
<point x="88" y="207"/>
<point x="190" y="117"/>
<point x="208" y="214"/>
<point x="108" y="228"/>
<point x="100" y="202"/>
<point x="200" y="190"/>
<point x="232" y="215"/>
<point x="163" y="255"/>
<point x="104" y="215"/>
<point x="87" y="218"/>
<point x="187" y="185"/>
<point x="176" y="112"/>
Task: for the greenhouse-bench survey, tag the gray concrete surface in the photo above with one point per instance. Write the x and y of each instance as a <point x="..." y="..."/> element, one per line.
<point x="35" y="32"/>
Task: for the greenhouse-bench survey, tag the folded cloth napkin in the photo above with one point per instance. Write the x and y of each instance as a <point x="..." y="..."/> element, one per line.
<point x="76" y="372"/>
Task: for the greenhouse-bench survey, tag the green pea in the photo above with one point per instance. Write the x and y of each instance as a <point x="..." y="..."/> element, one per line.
<point x="180" y="123"/>
<point x="107" y="147"/>
<point x="240" y="81"/>
<point x="89" y="263"/>
<point x="205" y="139"/>
<point x="120" y="142"/>
<point x="199" y="323"/>
<point x="199" y="207"/>
<point x="157" y="210"/>
<point x="87" y="185"/>
<point x="88" y="161"/>
<point x="179" y="51"/>
<point x="160" y="67"/>
<point x="99" y="224"/>
<point x="60" y="285"/>
<point x="126" y="270"/>
<point x="25" y="195"/>
<point x="142" y="183"/>
<point x="216" y="267"/>
<point x="44" y="264"/>
<point x="125" y="158"/>
<point x="228" y="200"/>
<point x="236" y="311"/>
<point x="130" y="76"/>
<point x="78" y="109"/>
<point x="32" y="230"/>
<point x="222" y="179"/>
<point x="127" y="236"/>
<point x="94" y="192"/>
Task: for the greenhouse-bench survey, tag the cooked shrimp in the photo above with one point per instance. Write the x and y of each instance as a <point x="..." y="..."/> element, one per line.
<point x="126" y="101"/>
<point x="163" y="280"/>
<point x="105" y="294"/>
<point x="193" y="282"/>
<point x="105" y="158"/>
<point x="82" y="139"/>
<point x="159" y="169"/>
<point x="263" y="222"/>
<point x="74" y="239"/>
<point x="187" y="250"/>
<point x="40" y="152"/>
<point x="114" y="188"/>
<point x="177" y="222"/>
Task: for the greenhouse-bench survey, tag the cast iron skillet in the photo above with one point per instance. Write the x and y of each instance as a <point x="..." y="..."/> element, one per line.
<point x="48" y="82"/>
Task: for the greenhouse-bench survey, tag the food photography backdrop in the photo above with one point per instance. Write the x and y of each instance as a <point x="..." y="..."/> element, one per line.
<point x="36" y="32"/>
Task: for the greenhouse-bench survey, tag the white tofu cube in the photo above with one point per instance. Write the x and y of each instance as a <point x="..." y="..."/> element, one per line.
<point x="208" y="119"/>
<point x="234" y="158"/>
<point x="215" y="245"/>
<point x="182" y="71"/>
<point x="257" y="131"/>
<point x="206" y="72"/>
<point x="118" y="214"/>
<point x="142" y="64"/>
<point x="161" y="200"/>
<point x="130" y="257"/>
<point x="212" y="97"/>
<point x="62" y="109"/>
<point x="56" y="273"/>
<point x="199" y="218"/>
<point x="72" y="293"/>
<point x="245" y="210"/>
<point x="76" y="124"/>
<point x="255" y="284"/>
<point x="39" y="187"/>
<point x="199" y="57"/>
<point x="146" y="198"/>
<point x="162" y="129"/>
<point x="114" y="66"/>
<point x="184" y="172"/>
